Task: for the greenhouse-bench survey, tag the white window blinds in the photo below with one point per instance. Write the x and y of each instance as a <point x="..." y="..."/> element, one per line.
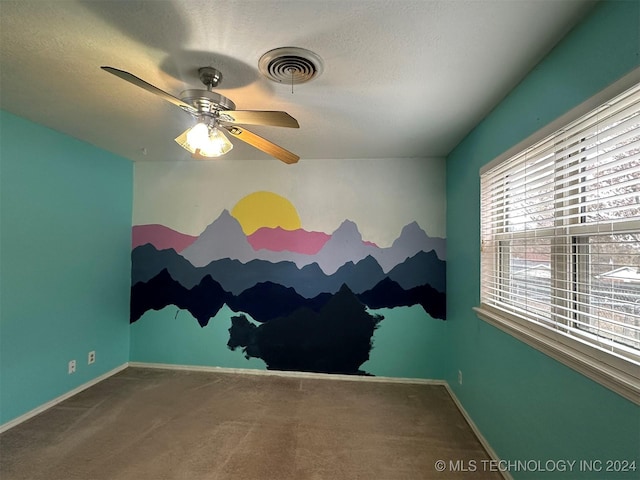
<point x="560" y="230"/>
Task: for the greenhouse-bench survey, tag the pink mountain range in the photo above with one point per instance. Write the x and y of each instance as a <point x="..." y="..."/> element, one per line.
<point x="265" y="238"/>
<point x="278" y="240"/>
<point x="160" y="237"/>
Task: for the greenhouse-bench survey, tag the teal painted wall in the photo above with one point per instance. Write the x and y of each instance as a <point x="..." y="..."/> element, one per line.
<point x="527" y="405"/>
<point x="173" y="336"/>
<point x="406" y="344"/>
<point x="65" y="243"/>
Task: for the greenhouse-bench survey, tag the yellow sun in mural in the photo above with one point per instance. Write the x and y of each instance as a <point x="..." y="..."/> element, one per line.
<point x="265" y="209"/>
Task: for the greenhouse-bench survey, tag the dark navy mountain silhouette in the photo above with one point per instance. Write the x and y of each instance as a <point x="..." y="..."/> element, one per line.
<point x="388" y="294"/>
<point x="266" y="301"/>
<point x="203" y="301"/>
<point x="309" y="281"/>
<point x="424" y="268"/>
<point x="359" y="277"/>
<point x="335" y="339"/>
<point x="263" y="301"/>
<point x="432" y="301"/>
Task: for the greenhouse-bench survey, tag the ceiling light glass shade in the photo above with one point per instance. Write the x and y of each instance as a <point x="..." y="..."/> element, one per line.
<point x="205" y="140"/>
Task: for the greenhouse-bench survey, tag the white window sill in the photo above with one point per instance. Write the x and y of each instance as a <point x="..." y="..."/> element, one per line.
<point x="610" y="370"/>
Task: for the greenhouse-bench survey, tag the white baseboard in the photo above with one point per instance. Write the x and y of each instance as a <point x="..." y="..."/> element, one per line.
<point x="286" y="373"/>
<point x="45" y="406"/>
<point x="483" y="441"/>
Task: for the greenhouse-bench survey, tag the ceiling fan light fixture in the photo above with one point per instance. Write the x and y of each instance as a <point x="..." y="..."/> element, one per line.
<point x="205" y="139"/>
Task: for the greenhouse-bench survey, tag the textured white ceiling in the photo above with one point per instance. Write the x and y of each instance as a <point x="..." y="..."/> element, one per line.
<point x="402" y="78"/>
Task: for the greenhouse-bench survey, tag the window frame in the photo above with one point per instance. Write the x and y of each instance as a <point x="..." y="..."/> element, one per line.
<point x="608" y="368"/>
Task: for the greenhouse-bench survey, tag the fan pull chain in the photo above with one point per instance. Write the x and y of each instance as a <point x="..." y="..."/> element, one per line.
<point x="291" y="71"/>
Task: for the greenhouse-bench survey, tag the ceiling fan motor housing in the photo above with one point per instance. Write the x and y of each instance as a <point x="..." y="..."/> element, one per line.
<point x="206" y="101"/>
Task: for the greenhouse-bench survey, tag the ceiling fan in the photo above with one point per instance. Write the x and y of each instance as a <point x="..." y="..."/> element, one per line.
<point x="215" y="112"/>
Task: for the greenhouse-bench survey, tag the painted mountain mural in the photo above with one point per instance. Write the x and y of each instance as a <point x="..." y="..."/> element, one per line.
<point x="308" y="294"/>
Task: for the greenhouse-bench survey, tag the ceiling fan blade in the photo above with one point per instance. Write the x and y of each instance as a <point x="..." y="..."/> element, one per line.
<point x="149" y="88"/>
<point x="263" y="144"/>
<point x="256" y="117"/>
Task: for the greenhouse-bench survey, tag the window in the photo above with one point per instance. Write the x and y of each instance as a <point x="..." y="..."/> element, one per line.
<point x="560" y="253"/>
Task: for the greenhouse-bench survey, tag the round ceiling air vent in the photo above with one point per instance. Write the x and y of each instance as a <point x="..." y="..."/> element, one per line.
<point x="290" y="65"/>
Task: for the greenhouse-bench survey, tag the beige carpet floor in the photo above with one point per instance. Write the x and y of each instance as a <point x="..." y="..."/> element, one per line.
<point x="148" y="424"/>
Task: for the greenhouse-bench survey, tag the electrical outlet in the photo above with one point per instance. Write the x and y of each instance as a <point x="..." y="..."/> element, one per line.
<point x="91" y="358"/>
<point x="460" y="377"/>
<point x="72" y="367"/>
